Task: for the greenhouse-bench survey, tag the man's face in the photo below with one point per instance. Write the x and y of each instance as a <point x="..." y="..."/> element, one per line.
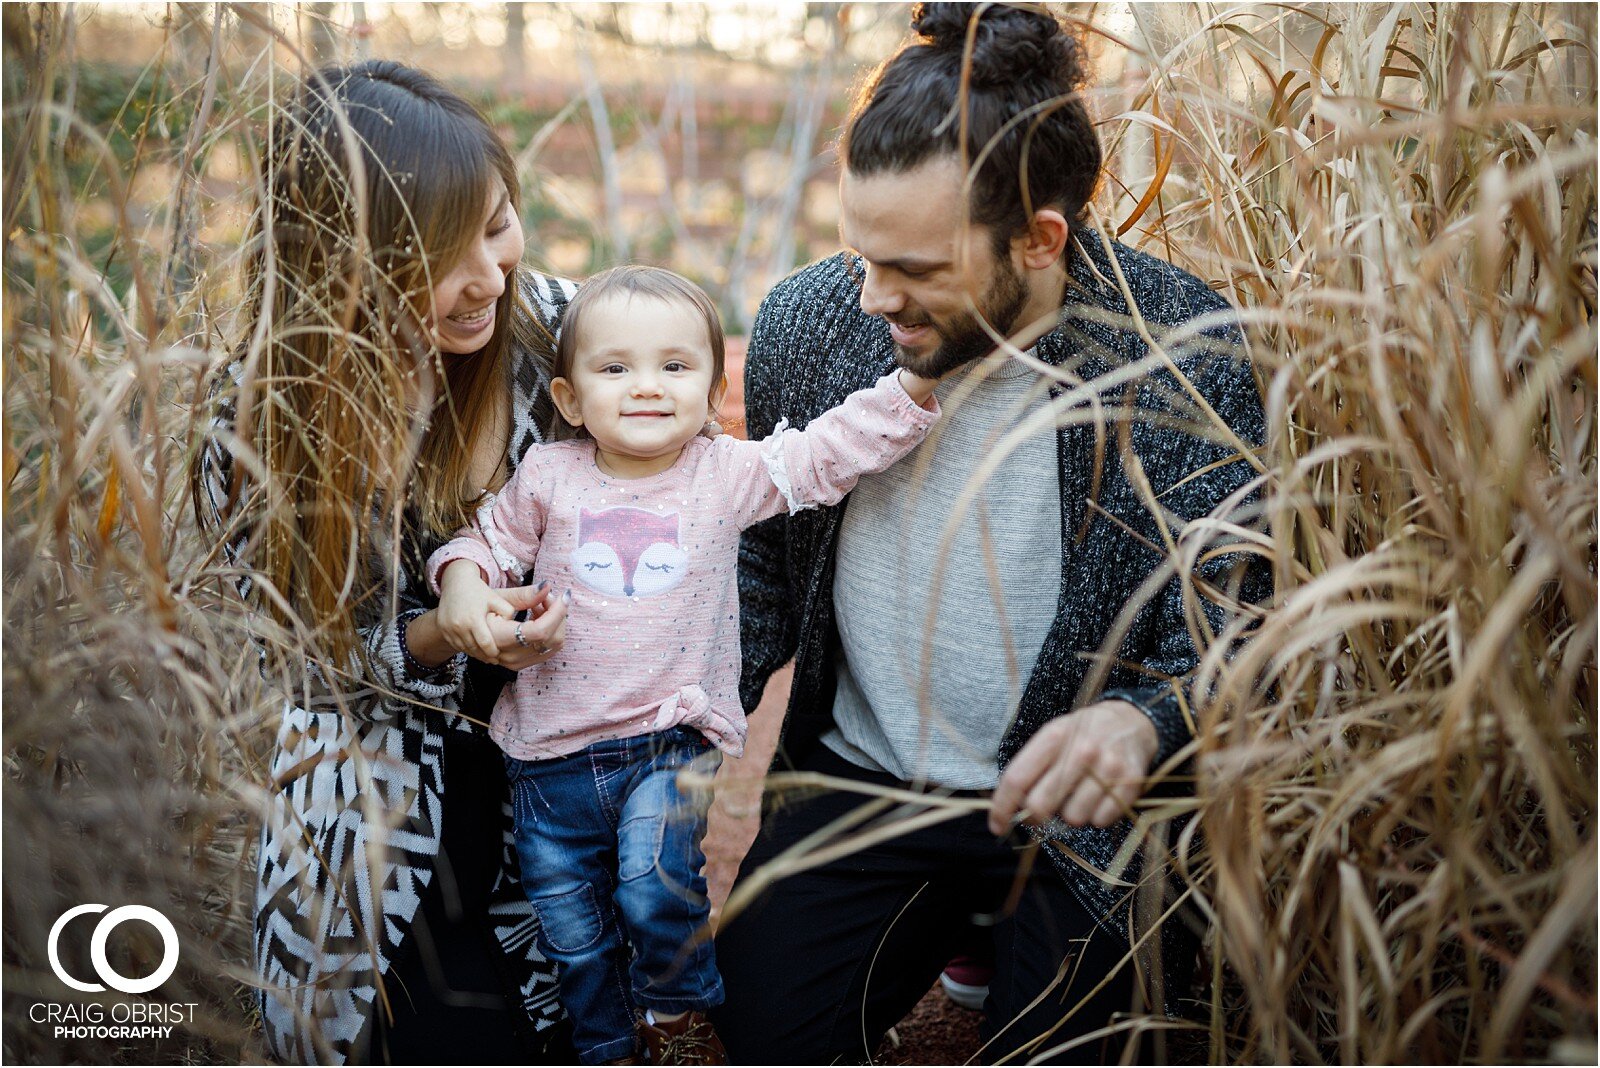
<point x="924" y="261"/>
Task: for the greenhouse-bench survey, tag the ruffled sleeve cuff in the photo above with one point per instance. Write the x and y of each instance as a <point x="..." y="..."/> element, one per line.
<point x="778" y="468"/>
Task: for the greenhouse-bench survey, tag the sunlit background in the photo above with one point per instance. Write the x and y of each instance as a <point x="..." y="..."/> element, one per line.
<point x="695" y="136"/>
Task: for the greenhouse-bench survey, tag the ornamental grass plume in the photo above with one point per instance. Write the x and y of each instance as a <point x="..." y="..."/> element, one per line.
<point x="1396" y="773"/>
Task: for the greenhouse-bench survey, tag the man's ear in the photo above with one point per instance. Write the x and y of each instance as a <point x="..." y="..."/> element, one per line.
<point x="566" y="401"/>
<point x="1045" y="239"/>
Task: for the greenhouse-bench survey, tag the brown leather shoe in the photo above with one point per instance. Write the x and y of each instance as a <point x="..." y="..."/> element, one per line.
<point x="690" y="1039"/>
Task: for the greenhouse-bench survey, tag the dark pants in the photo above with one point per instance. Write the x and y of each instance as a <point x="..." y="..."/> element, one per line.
<point x="827" y="960"/>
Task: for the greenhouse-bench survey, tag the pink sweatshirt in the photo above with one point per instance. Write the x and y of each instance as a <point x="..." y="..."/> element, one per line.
<point x="653" y="628"/>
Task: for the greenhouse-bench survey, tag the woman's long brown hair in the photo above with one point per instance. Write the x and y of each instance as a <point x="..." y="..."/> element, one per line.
<point x="376" y="180"/>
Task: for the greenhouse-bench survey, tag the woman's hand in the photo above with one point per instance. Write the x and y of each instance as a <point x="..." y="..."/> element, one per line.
<point x="428" y="645"/>
<point x="542" y="634"/>
<point x="1088" y="767"/>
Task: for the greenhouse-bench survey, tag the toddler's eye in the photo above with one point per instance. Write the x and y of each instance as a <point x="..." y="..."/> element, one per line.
<point x="677" y="365"/>
<point x="613" y="369"/>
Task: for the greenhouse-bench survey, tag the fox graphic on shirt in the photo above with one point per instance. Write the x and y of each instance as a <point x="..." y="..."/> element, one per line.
<point x="652" y="568"/>
<point x="628" y="552"/>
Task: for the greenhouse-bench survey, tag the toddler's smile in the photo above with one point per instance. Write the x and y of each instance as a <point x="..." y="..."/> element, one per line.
<point x="642" y="382"/>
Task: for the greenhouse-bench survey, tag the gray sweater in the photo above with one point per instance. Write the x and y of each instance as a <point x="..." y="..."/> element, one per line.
<point x="811" y="346"/>
<point x="937" y="640"/>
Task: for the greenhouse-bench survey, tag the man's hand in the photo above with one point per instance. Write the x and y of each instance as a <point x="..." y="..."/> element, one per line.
<point x="1087" y="767"/>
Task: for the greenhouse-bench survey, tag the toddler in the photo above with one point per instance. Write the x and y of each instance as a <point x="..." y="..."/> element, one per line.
<point x="638" y="521"/>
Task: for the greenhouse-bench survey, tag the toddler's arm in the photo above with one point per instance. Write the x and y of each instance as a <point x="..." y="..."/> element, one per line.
<point x="797" y="469"/>
<point x="492" y="553"/>
<point x="504" y="540"/>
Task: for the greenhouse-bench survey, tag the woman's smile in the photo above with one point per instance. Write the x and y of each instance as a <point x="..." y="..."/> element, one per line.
<point x="463" y="300"/>
<point x="474" y="322"/>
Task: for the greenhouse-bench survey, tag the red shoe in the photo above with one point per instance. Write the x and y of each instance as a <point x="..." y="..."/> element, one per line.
<point x="966" y="981"/>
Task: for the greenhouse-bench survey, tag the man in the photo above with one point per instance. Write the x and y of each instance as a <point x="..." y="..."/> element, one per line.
<point x="948" y="619"/>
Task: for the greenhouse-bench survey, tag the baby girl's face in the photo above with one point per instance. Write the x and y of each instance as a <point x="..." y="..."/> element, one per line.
<point x="641" y="379"/>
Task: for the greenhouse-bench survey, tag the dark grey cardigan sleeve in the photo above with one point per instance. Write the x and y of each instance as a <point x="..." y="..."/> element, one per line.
<point x="1192" y="481"/>
<point x="768" y="609"/>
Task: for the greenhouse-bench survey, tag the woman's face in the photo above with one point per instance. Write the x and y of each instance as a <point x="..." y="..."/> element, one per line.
<point x="463" y="307"/>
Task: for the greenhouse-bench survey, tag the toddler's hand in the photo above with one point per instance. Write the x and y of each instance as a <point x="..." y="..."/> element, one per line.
<point x="917" y="388"/>
<point x="466" y="604"/>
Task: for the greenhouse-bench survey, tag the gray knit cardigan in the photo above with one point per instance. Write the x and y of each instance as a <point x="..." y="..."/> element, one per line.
<point x="812" y="345"/>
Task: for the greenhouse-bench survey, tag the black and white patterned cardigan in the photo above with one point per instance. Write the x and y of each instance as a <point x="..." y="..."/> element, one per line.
<point x="365" y="782"/>
<point x="812" y="345"/>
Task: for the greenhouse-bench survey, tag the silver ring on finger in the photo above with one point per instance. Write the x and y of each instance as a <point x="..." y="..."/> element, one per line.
<point x="518" y="635"/>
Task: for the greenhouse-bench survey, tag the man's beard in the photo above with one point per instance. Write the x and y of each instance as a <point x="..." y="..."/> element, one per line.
<point x="964" y="338"/>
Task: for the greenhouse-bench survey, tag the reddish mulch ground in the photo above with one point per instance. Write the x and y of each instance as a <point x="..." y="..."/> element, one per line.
<point x="938" y="1031"/>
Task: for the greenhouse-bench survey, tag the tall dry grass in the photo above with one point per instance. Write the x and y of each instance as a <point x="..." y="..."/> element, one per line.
<point x="1396" y="775"/>
<point x="134" y="719"/>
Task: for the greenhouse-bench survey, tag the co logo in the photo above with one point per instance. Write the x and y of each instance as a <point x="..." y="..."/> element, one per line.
<point x="97" y="949"/>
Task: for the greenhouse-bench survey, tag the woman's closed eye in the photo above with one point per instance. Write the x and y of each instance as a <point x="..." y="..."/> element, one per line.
<point x="505" y="224"/>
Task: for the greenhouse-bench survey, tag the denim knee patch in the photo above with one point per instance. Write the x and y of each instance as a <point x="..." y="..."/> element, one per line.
<point x="571" y="921"/>
<point x="638" y="847"/>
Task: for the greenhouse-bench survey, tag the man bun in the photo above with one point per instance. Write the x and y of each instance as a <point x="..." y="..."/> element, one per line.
<point x="1021" y="65"/>
<point x="1011" y="42"/>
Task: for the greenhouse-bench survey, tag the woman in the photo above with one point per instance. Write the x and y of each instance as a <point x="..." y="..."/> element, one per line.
<point x="393" y="372"/>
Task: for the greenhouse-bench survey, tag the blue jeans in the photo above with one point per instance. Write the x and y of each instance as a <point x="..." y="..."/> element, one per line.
<point x="611" y="860"/>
